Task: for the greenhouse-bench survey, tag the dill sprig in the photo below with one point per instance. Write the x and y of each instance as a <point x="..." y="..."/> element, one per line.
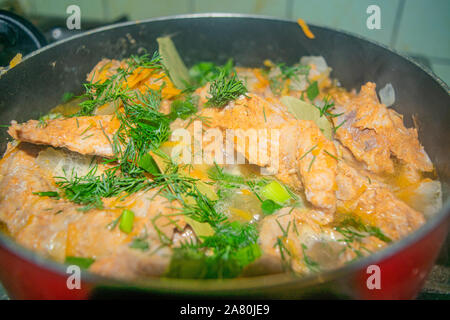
<point x="285" y="254"/>
<point x="225" y="89"/>
<point x="203" y="209"/>
<point x="222" y="255"/>
<point x="277" y="82"/>
<point x="142" y="129"/>
<point x="312" y="265"/>
<point x="145" y="61"/>
<point x="89" y="189"/>
<point x="114" y="89"/>
<point x="335" y="129"/>
<point x="354" y="232"/>
<point x="325" y="109"/>
<point x="43" y="121"/>
<point x="307" y="152"/>
<point x="217" y="174"/>
<point x="288" y="72"/>
<point x="183" y="109"/>
<point x="204" y="72"/>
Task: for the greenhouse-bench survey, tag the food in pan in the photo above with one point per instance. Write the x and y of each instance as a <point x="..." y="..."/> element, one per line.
<point x="215" y="171"/>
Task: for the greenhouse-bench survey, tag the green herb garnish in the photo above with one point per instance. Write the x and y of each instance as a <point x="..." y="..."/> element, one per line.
<point x="353" y="229"/>
<point x="286" y="72"/>
<point x="225" y="89"/>
<point x="126" y="221"/>
<point x="183" y="109"/>
<point x="222" y="255"/>
<point x="50" y="194"/>
<point x="204" y="72"/>
<point x="269" y="206"/>
<point x="112" y="89"/>
<point x="140" y="244"/>
<point x="88" y="190"/>
<point x="311" y="264"/>
<point x="313" y="91"/>
<point x="83" y="263"/>
<point x="67" y="96"/>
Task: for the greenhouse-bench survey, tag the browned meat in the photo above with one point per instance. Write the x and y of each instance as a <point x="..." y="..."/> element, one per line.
<point x="85" y="135"/>
<point x="374" y="203"/>
<point x="55" y="228"/>
<point x="375" y="133"/>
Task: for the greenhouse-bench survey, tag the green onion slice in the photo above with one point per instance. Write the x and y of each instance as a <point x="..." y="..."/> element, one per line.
<point x="276" y="192"/>
<point x="126" y="222"/>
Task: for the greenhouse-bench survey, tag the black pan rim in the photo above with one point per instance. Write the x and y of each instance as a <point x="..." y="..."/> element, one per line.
<point x="186" y="286"/>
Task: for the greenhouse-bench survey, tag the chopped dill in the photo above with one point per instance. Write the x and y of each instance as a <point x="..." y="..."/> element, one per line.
<point x="204" y="72"/>
<point x="307" y="152"/>
<point x="292" y="72"/>
<point x="145" y="61"/>
<point x="285" y="254"/>
<point x="312" y="265"/>
<point x="50" y="194"/>
<point x="311" y="163"/>
<point x="264" y="113"/>
<point x="225" y="89"/>
<point x="113" y="89"/>
<point x="331" y="155"/>
<point x="222" y="255"/>
<point x="142" y="129"/>
<point x="87" y="129"/>
<point x="335" y="129"/>
<point x="87" y="137"/>
<point x="140" y="243"/>
<point x="286" y="72"/>
<point x="89" y="190"/>
<point x="183" y="109"/>
<point x="42" y="121"/>
<point x="216" y="173"/>
<point x="327" y="106"/>
<point x="113" y="224"/>
<point x="353" y="229"/>
<point x="67" y="96"/>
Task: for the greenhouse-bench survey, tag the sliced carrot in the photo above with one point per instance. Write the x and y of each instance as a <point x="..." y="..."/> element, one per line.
<point x="268" y="63"/>
<point x="15" y="61"/>
<point x="262" y="81"/>
<point x="138" y="75"/>
<point x="305" y="29"/>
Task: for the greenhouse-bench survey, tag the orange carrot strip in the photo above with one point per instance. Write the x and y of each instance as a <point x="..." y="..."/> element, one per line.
<point x="15" y="61"/>
<point x="305" y="29"/>
<point x="262" y="81"/>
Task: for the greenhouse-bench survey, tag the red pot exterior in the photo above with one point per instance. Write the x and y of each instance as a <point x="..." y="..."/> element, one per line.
<point x="402" y="274"/>
<point x="24" y="279"/>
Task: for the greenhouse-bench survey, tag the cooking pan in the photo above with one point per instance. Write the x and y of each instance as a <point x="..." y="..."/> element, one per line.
<point x="37" y="84"/>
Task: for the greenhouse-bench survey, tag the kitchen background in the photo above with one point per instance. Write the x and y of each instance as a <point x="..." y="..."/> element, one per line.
<point x="419" y="28"/>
